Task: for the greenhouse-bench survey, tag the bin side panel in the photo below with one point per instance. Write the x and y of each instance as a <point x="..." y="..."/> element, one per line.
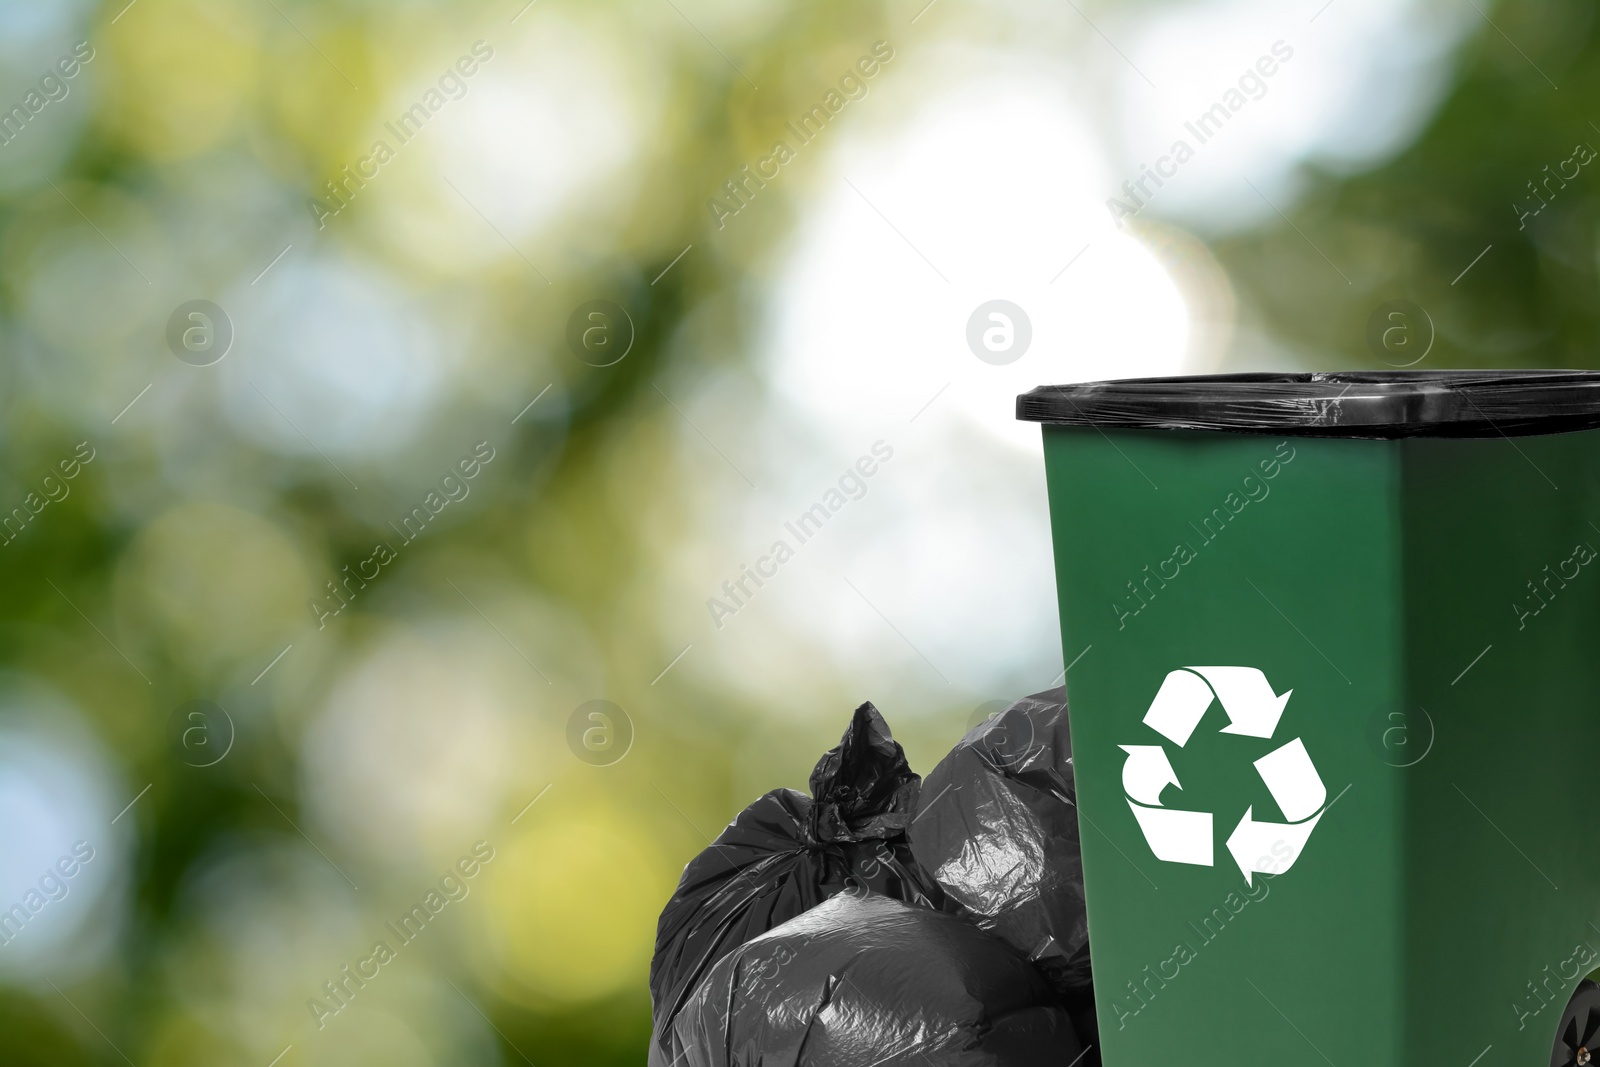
<point x="1177" y="550"/>
<point x="1503" y="677"/>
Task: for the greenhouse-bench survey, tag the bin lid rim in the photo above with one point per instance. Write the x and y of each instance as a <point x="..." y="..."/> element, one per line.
<point x="1382" y="404"/>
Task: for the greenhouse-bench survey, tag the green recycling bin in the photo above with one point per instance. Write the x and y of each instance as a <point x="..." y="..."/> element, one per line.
<point x="1334" y="677"/>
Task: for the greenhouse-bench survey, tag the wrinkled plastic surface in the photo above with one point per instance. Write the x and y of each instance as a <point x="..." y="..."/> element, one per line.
<point x="786" y="853"/>
<point x="998" y="830"/>
<point x="866" y="981"/>
<point x="1363" y="404"/>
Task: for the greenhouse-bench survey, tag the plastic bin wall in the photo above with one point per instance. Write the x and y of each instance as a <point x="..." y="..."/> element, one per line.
<point x="1431" y="608"/>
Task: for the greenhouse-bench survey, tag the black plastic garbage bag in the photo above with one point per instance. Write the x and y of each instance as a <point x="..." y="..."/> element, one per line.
<point x="787" y="853"/>
<point x="998" y="829"/>
<point x="866" y="981"/>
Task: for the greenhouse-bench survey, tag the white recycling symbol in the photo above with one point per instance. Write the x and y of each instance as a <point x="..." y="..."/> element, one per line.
<point x="1253" y="710"/>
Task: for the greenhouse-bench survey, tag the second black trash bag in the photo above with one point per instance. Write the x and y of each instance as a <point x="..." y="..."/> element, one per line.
<point x="998" y="830"/>
<point x="865" y="980"/>
<point x="786" y="853"/>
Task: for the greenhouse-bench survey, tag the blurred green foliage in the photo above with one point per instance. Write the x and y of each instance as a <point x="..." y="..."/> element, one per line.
<point x="1411" y="227"/>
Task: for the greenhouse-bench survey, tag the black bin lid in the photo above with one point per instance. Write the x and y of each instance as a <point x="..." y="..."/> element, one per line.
<point x="1371" y="404"/>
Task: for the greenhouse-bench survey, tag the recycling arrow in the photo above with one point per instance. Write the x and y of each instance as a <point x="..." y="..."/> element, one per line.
<point x="1147" y="773"/>
<point x="1247" y="698"/>
<point x="1176" y="836"/>
<point x="1253" y="709"/>
<point x="1292" y="779"/>
<point x="1258" y="847"/>
<point x="1180" y="704"/>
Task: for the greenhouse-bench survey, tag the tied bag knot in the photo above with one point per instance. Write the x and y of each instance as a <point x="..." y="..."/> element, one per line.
<point x="863" y="790"/>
